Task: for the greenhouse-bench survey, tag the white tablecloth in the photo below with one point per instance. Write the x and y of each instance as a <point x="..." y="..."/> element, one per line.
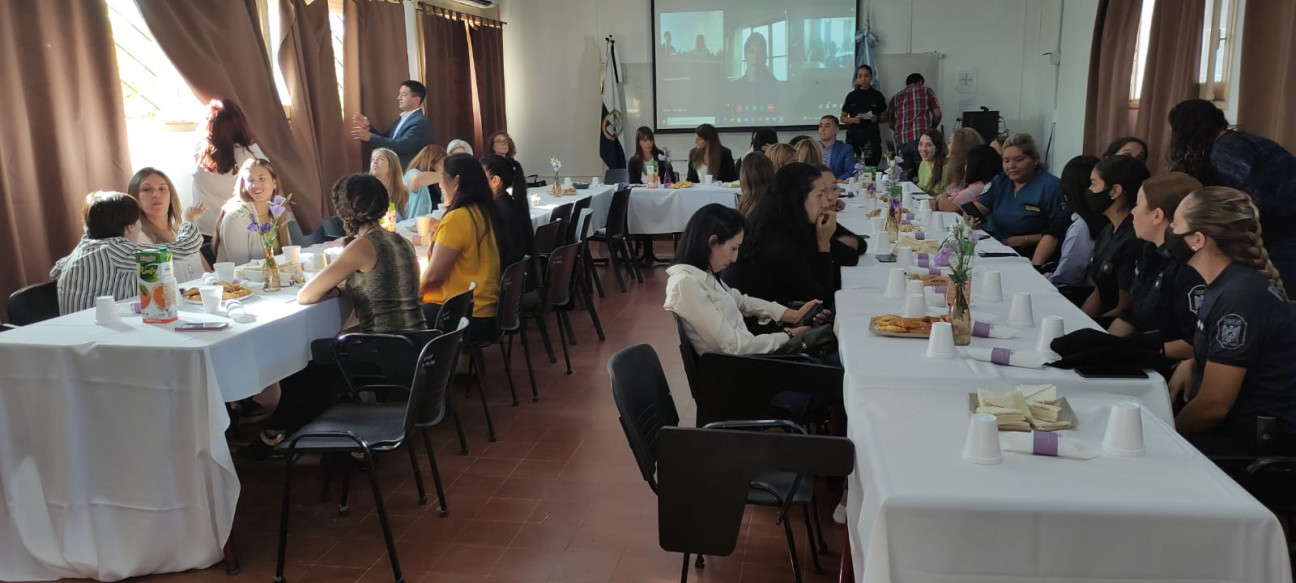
<point x="655" y="211"/>
<point x="113" y="460"/>
<point x="599" y="206"/>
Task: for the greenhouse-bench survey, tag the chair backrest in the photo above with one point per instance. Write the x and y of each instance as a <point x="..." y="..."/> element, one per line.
<point x="374" y="361"/>
<point x="454" y="309"/>
<point x="687" y="354"/>
<point x="583" y="222"/>
<point x="562" y="212"/>
<point x="643" y="401"/>
<point x="617" y="176"/>
<point x="546" y="237"/>
<point x="508" y="315"/>
<point x="433" y="373"/>
<point x="332" y="228"/>
<point x="34" y="303"/>
<point x="573" y="222"/>
<point x="704" y="475"/>
<point x="616" y="219"/>
<point x="533" y="180"/>
<point x="558" y="284"/>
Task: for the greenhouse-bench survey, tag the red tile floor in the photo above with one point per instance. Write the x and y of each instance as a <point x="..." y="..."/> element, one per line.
<point x="557" y="498"/>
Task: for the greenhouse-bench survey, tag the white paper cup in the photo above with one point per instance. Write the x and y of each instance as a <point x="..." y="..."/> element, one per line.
<point x="905" y="257"/>
<point x="937" y="224"/>
<point x="1051" y="328"/>
<point x="106" y="311"/>
<point x="906" y="200"/>
<point x="1020" y="314"/>
<point x="567" y="182"/>
<point x="224" y="271"/>
<point x="1124" y="436"/>
<point x="595" y="182"/>
<point x="879" y="225"/>
<point x="292" y="253"/>
<point x="877" y="177"/>
<point x="982" y="445"/>
<point x="925" y="215"/>
<point x="706" y="179"/>
<point x="991" y="287"/>
<point x="915" y="306"/>
<point x="424" y="225"/>
<point x="935" y="299"/>
<point x="896" y="284"/>
<point x="913" y="287"/>
<point x="941" y="342"/>
<point x="211" y="298"/>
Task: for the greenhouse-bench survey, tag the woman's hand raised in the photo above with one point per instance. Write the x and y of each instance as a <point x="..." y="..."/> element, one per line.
<point x="192" y="213"/>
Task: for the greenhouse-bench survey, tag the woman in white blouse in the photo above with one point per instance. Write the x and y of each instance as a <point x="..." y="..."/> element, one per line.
<point x="256" y="186"/>
<point x="711" y="311"/>
<point x="225" y="143"/>
<point x="160" y="221"/>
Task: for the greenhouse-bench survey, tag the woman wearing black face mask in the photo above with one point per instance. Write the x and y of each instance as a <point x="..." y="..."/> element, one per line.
<point x="1113" y="187"/>
<point x="1244" y="351"/>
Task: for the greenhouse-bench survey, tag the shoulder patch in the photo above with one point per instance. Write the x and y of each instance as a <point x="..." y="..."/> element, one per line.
<point x="1195" y="298"/>
<point x="1230" y="331"/>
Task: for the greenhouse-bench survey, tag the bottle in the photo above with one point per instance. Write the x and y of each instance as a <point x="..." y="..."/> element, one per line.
<point x="650" y="172"/>
<point x="389" y="221"/>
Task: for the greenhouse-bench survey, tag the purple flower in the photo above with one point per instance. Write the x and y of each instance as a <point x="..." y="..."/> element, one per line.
<point x="265" y="228"/>
<point x="254" y="228"/>
<point x="858" y="166"/>
<point x="899" y="160"/>
<point x="895" y="203"/>
<point x="661" y="157"/>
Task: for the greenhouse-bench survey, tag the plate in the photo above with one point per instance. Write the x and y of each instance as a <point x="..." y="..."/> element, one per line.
<point x="1066" y="415"/>
<point x="874" y="329"/>
<point x="197" y="299"/>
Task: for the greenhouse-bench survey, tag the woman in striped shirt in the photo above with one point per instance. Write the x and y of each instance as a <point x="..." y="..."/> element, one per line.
<point x="103" y="263"/>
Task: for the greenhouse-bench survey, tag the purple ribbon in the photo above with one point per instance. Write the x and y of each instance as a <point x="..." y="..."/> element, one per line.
<point x="939" y="289"/>
<point x="982" y="329"/>
<point x="1000" y="356"/>
<point x="906" y="221"/>
<point x="908" y="217"/>
<point x="923" y="255"/>
<point x="923" y="261"/>
<point x="1046" y="443"/>
<point x="933" y="271"/>
<point x="919" y="235"/>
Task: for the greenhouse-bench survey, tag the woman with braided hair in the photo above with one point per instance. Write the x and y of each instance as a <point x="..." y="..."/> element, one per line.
<point x="1244" y="350"/>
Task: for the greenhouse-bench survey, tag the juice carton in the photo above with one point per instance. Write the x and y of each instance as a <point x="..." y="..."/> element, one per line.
<point x="157" y="286"/>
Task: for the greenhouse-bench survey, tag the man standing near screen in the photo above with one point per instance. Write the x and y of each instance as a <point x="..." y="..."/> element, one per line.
<point x="862" y="111"/>
<point x="910" y="109"/>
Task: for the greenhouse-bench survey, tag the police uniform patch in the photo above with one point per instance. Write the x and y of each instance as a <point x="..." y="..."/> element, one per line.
<point x="1230" y="331"/>
<point x="1195" y="298"/>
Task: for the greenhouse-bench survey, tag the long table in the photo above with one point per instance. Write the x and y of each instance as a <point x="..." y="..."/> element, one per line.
<point x="918" y="512"/>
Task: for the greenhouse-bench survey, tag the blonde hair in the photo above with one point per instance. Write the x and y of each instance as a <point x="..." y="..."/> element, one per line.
<point x="241" y="193"/>
<point x="427" y="158"/>
<point x="1232" y="221"/>
<point x="397" y="193"/>
<point x="962" y="140"/>
<point x="780" y="154"/>
<point x="153" y="232"/>
<point x="808" y="152"/>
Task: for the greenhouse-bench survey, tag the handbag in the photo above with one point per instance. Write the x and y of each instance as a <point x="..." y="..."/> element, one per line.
<point x="817" y="341"/>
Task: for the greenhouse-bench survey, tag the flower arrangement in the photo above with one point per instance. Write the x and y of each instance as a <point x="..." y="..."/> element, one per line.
<point x="959" y="248"/>
<point x="665" y="158"/>
<point x="556" y="164"/>
<point x="269" y="233"/>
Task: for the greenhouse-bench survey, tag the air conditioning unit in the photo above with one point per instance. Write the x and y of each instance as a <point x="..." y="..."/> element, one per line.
<point x="478" y="3"/>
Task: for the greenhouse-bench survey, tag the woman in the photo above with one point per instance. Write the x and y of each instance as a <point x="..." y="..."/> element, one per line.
<point x="808" y="152"/>
<point x="256" y="187"/>
<point x="754" y="180"/>
<point x="378" y="272"/>
<point x="709" y="157"/>
<point x="711" y="312"/>
<point x="1128" y="146"/>
<point x="423" y="178"/>
<point x="458" y="146"/>
<point x="646" y="150"/>
<point x="1203" y="146"/>
<point x="931" y="170"/>
<point x="469" y="246"/>
<point x="981" y="165"/>
<point x="780" y="155"/>
<point x="960" y="143"/>
<point x="1114" y="185"/>
<point x="226" y="143"/>
<point x="160" y="219"/>
<point x="1165" y="295"/>
<point x="788" y="256"/>
<point x="385" y="166"/>
<point x="507" y="180"/>
<point x="1023" y="201"/>
<point x="1077" y="231"/>
<point x="863" y="109"/>
<point x="846" y="247"/>
<point x="1244" y="352"/>
<point x="502" y="144"/>
<point x="761" y="140"/>
<point x="103" y="262"/>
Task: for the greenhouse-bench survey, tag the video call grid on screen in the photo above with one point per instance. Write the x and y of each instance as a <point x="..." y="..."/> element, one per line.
<point x="745" y="64"/>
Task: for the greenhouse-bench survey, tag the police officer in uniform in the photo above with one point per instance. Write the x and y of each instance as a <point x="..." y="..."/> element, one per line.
<point x="1113" y="189"/>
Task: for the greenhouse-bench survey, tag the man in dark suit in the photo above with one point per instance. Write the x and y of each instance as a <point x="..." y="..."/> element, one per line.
<point x="411" y="132"/>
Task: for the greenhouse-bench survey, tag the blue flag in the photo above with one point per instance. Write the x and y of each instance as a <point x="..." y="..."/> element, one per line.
<point x="611" y="126"/>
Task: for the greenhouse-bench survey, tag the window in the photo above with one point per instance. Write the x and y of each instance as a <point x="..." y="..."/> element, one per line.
<point x="153" y="91"/>
<point x="1218" y="46"/>
<point x="1140" y="51"/>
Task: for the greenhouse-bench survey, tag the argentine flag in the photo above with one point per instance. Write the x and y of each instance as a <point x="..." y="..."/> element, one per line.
<point x="612" y="120"/>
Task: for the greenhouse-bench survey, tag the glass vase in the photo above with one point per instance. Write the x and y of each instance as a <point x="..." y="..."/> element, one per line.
<point x="270" y="271"/>
<point x="892" y="223"/>
<point x="960" y="315"/>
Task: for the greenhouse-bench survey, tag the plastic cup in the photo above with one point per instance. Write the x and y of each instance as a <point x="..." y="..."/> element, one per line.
<point x="896" y="284"/>
<point x="925" y="215"/>
<point x="915" y="306"/>
<point x="224" y="271"/>
<point x="567" y="182"/>
<point x="941" y="342"/>
<point x="1020" y="314"/>
<point x="935" y="298"/>
<point x="982" y="445"/>
<point x="991" y="287"/>
<point x="424" y="225"/>
<point x="877" y="177"/>
<point x="1124" y="436"/>
<point x="937" y="224"/>
<point x="706" y="179"/>
<point x="879" y="225"/>
<point x="211" y="298"/>
<point x="906" y="200"/>
<point x="595" y="182"/>
<point x="292" y="253"/>
<point x="913" y="287"/>
<point x="1051" y="328"/>
<point x="905" y="257"/>
<point x="106" y="311"/>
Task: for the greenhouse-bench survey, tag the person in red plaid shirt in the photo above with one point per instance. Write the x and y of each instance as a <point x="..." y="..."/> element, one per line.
<point x="910" y="109"/>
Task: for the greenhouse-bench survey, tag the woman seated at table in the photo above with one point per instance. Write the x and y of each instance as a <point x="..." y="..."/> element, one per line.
<point x="469" y="245"/>
<point x="1076" y="230"/>
<point x="1022" y="202"/>
<point x="787" y="255"/>
<point x="981" y="164"/>
<point x="1165" y="295"/>
<point x="103" y="262"/>
<point x="646" y="150"/>
<point x="959" y="147"/>
<point x="846" y="247"/>
<point x="780" y="155"/>
<point x="712" y="312"/>
<point x="761" y="140"/>
<point x="709" y="157"/>
<point x="423" y="179"/>
<point x="754" y="180"/>
<point x="501" y="144"/>
<point x="378" y="272"/>
<point x="508" y="186"/>
<point x="808" y="152"/>
<point x="1113" y="191"/>
<point x="161" y="225"/>
<point x="457" y="146"/>
<point x="1244" y="349"/>
<point x="931" y="168"/>
<point x="257" y="185"/>
<point x="1128" y="146"/>
<point x="385" y="166"/>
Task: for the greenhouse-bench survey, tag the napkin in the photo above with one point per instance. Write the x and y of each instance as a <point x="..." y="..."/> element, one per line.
<point x="934" y="259"/>
<point x="1004" y="356"/>
<point x="1048" y="443"/>
<point x="988" y="330"/>
<point x="923" y="271"/>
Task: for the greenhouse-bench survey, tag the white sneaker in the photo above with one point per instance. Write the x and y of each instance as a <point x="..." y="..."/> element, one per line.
<point x="839" y="514"/>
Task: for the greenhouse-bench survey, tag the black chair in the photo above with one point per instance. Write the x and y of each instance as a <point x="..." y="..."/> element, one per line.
<point x="613" y="236"/>
<point x="573" y="220"/>
<point x="366" y="428"/>
<point x="618" y="176"/>
<point x="555" y="292"/>
<point x="208" y="253"/>
<point x="453" y="310"/>
<point x="562" y="212"/>
<point x="646" y="410"/>
<point x="297" y="237"/>
<point x="546" y="238"/>
<point x="581" y="283"/>
<point x="35" y="303"/>
<point x="331" y="229"/>
<point x="508" y="321"/>
<point x="534" y="180"/>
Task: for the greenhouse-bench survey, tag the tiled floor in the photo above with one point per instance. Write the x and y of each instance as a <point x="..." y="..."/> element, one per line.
<point x="557" y="498"/>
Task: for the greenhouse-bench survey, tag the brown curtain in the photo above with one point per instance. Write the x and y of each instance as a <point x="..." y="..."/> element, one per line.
<point x="375" y="63"/>
<point x="488" y="63"/>
<point x="306" y="58"/>
<point x="1170" y="74"/>
<point x="1267" y="82"/>
<point x="217" y="47"/>
<point x="448" y="71"/>
<point x="62" y="130"/>
<point x="1111" y="62"/>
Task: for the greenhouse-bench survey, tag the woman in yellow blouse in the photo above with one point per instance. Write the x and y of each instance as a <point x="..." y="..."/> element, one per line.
<point x="931" y="171"/>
